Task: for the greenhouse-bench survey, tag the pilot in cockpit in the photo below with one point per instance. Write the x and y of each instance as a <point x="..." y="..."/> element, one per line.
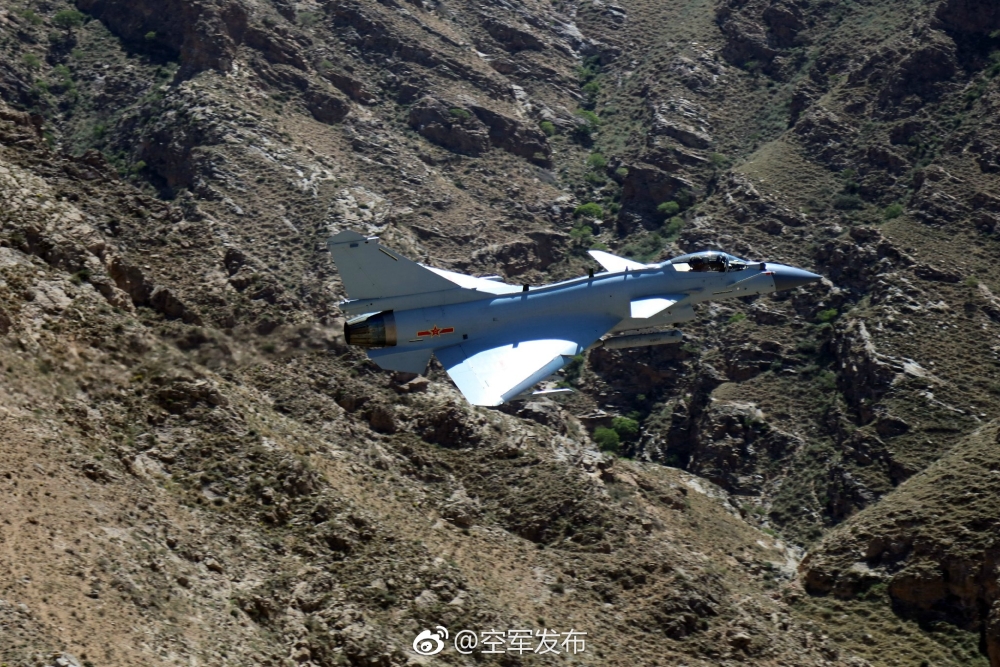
<point x="708" y="263"/>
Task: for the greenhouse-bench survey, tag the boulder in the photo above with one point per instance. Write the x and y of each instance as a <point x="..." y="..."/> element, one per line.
<point x="514" y="38"/>
<point x="646" y="187"/>
<point x="456" y="128"/>
<point x="201" y="35"/>
<point x="325" y="106"/>
<point x="514" y="136"/>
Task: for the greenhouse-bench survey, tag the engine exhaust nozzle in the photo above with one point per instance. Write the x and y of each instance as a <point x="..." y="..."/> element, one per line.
<point x="377" y="330"/>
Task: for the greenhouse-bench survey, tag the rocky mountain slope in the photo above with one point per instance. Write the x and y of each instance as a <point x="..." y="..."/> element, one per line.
<point x="196" y="470"/>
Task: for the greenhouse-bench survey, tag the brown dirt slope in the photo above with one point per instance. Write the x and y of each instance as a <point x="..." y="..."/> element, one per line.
<point x="196" y="469"/>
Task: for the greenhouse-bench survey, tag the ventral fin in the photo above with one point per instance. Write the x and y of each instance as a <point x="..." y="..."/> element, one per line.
<point x="647" y="307"/>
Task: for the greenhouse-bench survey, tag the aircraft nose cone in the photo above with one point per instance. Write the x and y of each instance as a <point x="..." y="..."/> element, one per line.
<point x="789" y="277"/>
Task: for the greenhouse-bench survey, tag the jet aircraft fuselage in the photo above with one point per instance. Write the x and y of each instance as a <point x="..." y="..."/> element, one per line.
<point x="497" y="340"/>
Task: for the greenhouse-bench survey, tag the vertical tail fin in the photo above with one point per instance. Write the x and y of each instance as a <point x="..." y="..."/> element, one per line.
<point x="370" y="271"/>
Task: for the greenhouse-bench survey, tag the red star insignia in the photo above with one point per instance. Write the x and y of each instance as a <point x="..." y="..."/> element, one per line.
<point x="435" y="331"/>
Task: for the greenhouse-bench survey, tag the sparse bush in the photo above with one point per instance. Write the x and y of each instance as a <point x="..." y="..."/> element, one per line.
<point x="31" y="61"/>
<point x="597" y="161"/>
<point x="621" y="172"/>
<point x="892" y="211"/>
<point x="548" y="127"/>
<point x="460" y="113"/>
<point x="151" y="36"/>
<point x="589" y="210"/>
<point x="829" y="315"/>
<point x="607" y="439"/>
<point x="669" y="208"/>
<point x="737" y="317"/>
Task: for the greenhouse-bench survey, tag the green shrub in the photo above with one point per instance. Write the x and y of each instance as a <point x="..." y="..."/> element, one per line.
<point x="827" y="380"/>
<point x="673" y="228"/>
<point x="847" y="202"/>
<point x="591" y="88"/>
<point x="719" y="161"/>
<point x="806" y="346"/>
<point x="547" y="127"/>
<point x="621" y="172"/>
<point x="669" y="208"/>
<point x="67" y="19"/>
<point x="827" y="315"/>
<point x="460" y="113"/>
<point x="582" y="133"/>
<point x="595" y="178"/>
<point x="892" y="211"/>
<point x="738" y="317"/>
<point x="151" y="36"/>
<point x="31" y="60"/>
<point x="589" y="210"/>
<point x="597" y="161"/>
<point x="625" y="427"/>
<point x="607" y="439"/>
<point x="994" y="67"/>
<point x="308" y="19"/>
<point x="573" y="369"/>
<point x="31" y="17"/>
<point x="582" y="234"/>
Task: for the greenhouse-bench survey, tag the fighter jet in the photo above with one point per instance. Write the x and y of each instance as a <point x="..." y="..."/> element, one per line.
<point x="497" y="341"/>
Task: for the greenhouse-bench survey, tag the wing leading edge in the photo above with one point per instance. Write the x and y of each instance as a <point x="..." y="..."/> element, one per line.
<point x="493" y="371"/>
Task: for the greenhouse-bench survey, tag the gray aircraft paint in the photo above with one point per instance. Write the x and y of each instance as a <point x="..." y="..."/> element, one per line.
<point x="485" y="339"/>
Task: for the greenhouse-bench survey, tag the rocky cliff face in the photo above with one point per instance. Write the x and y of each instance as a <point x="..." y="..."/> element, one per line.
<point x="197" y="469"/>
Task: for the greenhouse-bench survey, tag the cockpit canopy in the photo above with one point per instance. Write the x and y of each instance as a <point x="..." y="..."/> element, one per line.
<point x="709" y="260"/>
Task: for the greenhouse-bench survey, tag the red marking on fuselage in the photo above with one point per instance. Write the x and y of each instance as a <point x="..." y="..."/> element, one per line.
<point x="436" y="331"/>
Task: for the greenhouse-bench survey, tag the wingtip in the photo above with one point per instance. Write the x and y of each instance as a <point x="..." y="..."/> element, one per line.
<point x="346" y="236"/>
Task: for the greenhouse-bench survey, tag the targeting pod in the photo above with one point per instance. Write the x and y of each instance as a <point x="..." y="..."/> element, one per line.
<point x="639" y="340"/>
